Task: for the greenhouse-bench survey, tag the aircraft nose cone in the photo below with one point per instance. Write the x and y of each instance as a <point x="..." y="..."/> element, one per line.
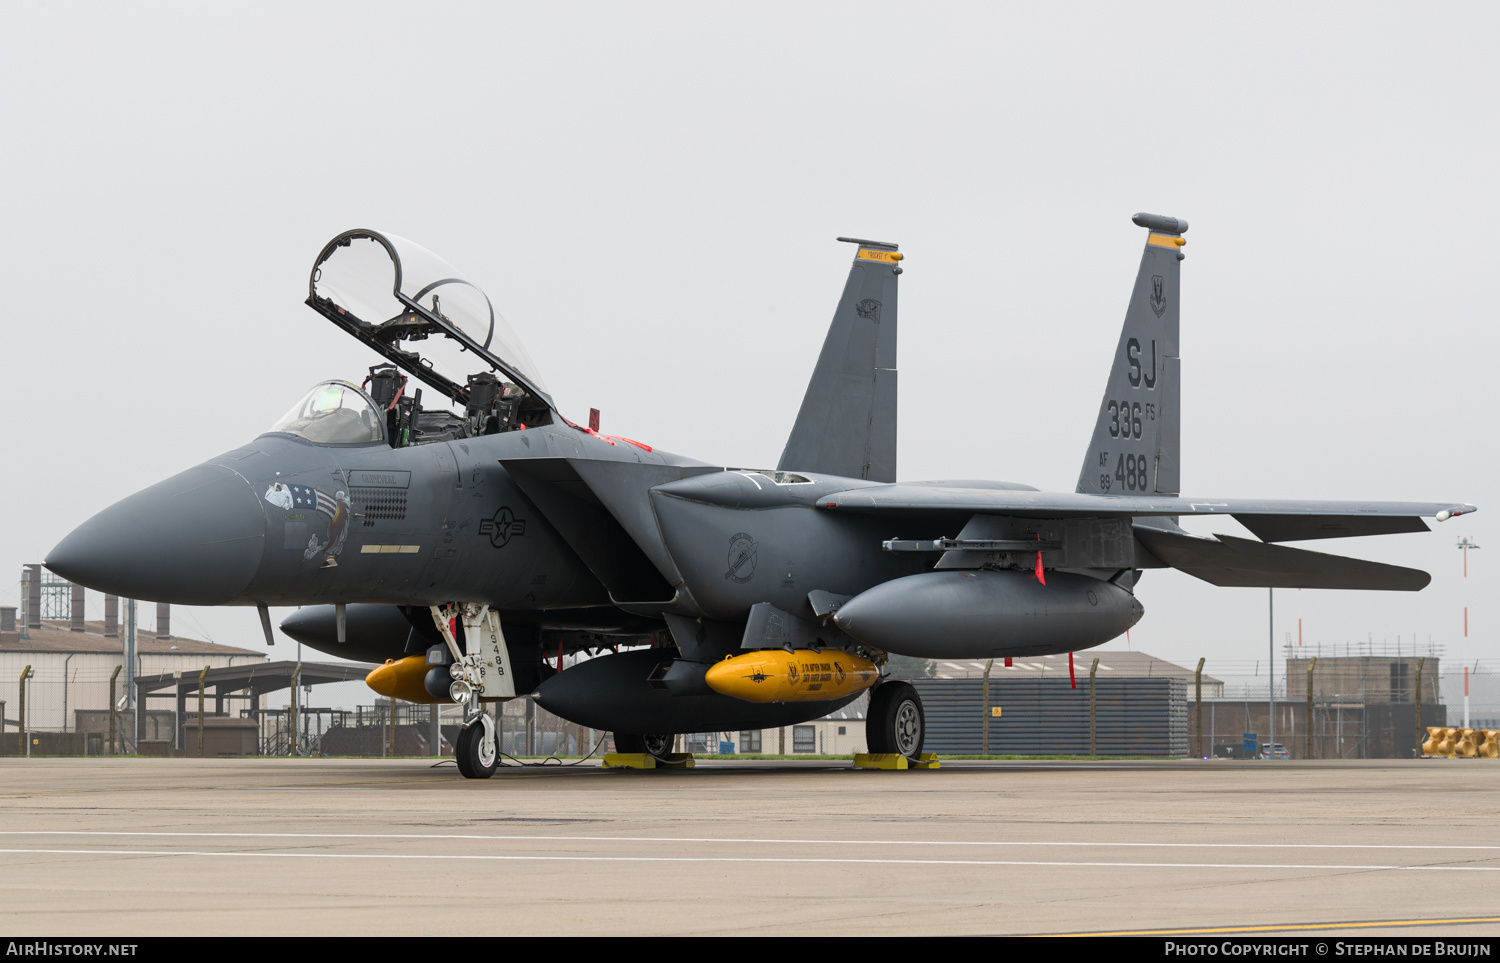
<point x="194" y="539"/>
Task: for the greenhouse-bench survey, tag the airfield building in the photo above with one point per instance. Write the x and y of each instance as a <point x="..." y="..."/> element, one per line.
<point x="72" y="661"/>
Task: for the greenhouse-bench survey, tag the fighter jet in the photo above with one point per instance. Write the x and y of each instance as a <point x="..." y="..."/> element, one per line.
<point x="472" y="539"/>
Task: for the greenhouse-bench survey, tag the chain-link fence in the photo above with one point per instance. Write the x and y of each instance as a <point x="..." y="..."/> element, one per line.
<point x="1339" y="702"/>
<point x="1346" y="702"/>
<point x="54" y="695"/>
<point x="1364" y="696"/>
<point x="65" y="711"/>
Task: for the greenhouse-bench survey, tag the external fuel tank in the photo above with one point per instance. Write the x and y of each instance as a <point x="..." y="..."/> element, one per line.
<point x="615" y="692"/>
<point x="983" y="614"/>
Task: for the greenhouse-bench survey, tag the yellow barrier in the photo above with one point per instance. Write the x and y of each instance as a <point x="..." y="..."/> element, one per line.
<point x="629" y="760"/>
<point x="894" y="760"/>
<point x="1450" y="743"/>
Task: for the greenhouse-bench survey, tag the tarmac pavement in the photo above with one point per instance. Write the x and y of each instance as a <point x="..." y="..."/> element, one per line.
<point x="136" y="846"/>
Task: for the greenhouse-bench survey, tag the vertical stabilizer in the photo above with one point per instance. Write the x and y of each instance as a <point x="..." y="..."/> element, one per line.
<point x="847" y="424"/>
<point x="1138" y="439"/>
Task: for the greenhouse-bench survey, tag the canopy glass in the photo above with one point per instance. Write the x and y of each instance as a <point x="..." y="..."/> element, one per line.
<point x="334" y="413"/>
<point x="392" y="293"/>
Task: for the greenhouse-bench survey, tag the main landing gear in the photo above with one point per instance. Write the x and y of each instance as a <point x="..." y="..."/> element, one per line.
<point x="482" y="674"/>
<point x="652" y="744"/>
<point x="895" y="722"/>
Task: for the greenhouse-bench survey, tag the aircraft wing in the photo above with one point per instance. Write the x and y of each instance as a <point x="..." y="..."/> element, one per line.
<point x="1273" y="520"/>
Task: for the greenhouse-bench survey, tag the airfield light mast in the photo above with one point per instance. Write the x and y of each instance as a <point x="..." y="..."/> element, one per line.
<point x="1464" y="544"/>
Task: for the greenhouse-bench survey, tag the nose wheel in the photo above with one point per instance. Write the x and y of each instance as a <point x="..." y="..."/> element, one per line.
<point x="896" y="722"/>
<point x="476" y="752"/>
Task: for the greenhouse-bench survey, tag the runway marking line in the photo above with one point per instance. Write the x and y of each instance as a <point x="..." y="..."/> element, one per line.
<point x="742" y="859"/>
<point x="732" y="839"/>
<point x="293" y="785"/>
<point x="1205" y="931"/>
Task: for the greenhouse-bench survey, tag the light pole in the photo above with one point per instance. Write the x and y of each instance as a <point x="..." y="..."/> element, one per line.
<point x="1464" y="544"/>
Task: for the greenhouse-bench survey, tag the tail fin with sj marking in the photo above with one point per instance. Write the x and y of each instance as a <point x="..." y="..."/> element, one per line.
<point x="847" y="424"/>
<point x="1136" y="448"/>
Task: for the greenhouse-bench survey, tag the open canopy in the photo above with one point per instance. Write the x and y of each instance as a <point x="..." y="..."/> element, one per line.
<point x="389" y="293"/>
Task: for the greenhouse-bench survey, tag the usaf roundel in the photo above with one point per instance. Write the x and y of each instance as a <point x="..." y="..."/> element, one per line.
<point x="501" y="527"/>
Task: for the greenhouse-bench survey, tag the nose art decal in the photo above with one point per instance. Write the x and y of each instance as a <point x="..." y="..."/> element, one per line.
<point x="336" y="508"/>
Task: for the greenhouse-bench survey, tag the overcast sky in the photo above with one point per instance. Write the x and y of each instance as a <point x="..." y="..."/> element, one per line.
<point x="650" y="193"/>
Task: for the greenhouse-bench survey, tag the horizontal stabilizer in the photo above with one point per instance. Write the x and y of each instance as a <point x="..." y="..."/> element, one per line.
<point x="1228" y="561"/>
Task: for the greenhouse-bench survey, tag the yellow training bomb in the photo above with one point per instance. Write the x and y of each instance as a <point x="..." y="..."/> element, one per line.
<point x="402" y="679"/>
<point x="806" y="675"/>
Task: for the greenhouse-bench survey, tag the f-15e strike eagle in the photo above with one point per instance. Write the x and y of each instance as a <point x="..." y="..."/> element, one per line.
<point x="469" y="543"/>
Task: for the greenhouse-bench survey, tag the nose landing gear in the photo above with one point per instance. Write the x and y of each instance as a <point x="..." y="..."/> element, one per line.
<point x="477" y="754"/>
<point x="482" y="674"/>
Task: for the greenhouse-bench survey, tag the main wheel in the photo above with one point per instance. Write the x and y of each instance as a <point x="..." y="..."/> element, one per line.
<point x="473" y="759"/>
<point x="877" y="737"/>
<point x="660" y="744"/>
<point x="895" y="721"/>
<point x="651" y="744"/>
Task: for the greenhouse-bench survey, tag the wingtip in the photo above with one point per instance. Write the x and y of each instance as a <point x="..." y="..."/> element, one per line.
<point x="863" y="242"/>
<point x="1160" y="222"/>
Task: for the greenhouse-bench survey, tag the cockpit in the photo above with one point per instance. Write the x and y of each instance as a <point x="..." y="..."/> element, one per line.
<point x="334" y="413"/>
<point x="430" y="323"/>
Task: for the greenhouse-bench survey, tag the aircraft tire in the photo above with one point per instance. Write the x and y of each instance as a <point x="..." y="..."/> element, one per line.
<point x="651" y="744"/>
<point x="470" y="754"/>
<point x="877" y="740"/>
<point x="896" y="721"/>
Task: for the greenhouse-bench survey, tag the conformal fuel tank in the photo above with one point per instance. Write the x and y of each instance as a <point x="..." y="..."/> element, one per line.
<point x="981" y="615"/>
